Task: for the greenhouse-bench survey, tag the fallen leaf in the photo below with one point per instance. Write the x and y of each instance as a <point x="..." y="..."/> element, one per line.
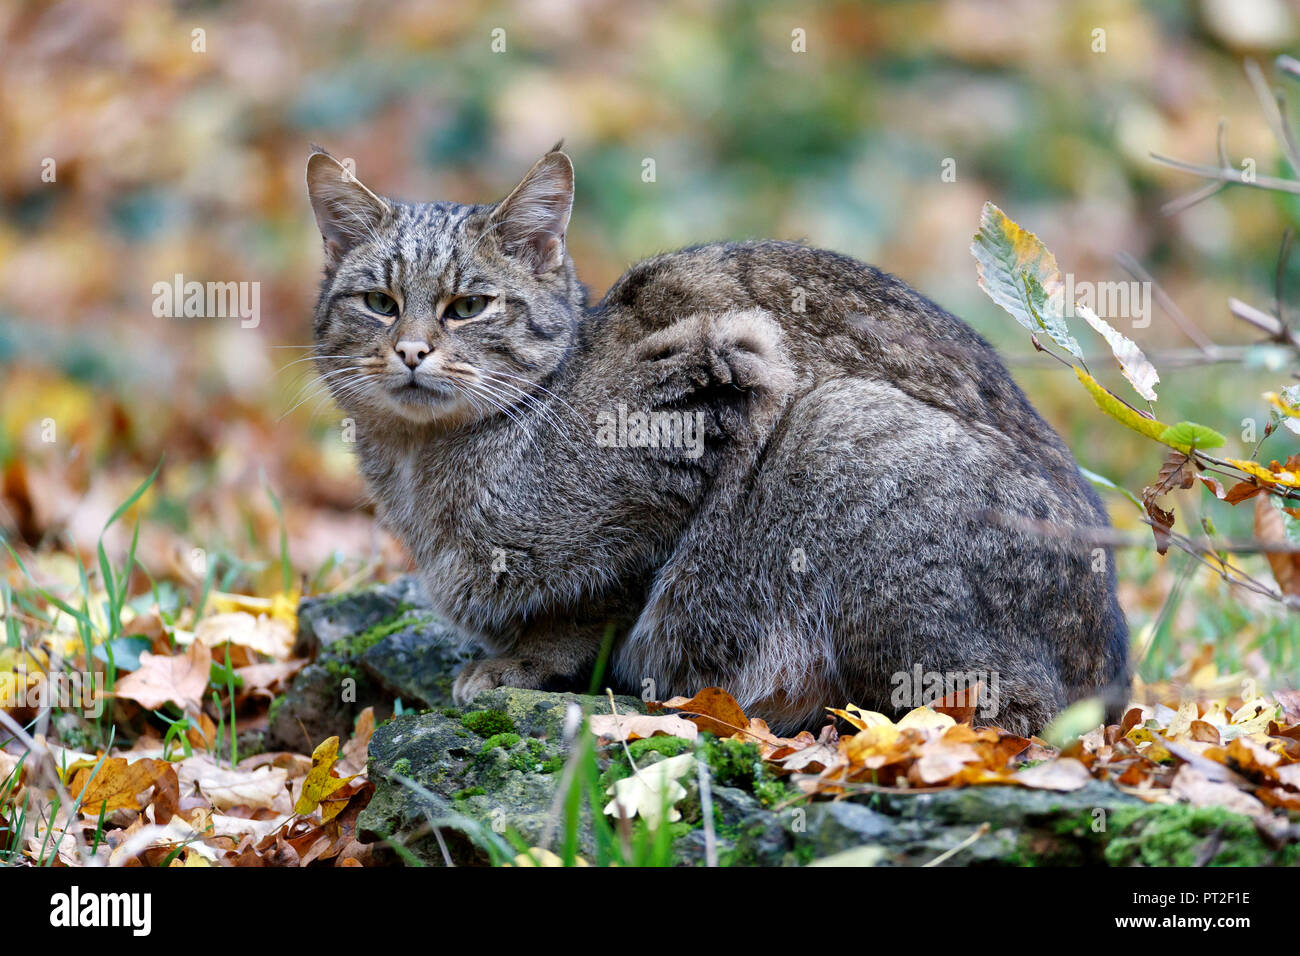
<point x="617" y="727"/>
<point x="1063" y="774"/>
<point x="179" y="679"/>
<point x="715" y="711"/>
<point x="651" y="791"/>
<point x="320" y="784"/>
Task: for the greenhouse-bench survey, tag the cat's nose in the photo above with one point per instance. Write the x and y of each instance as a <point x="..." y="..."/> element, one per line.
<point x="412" y="353"/>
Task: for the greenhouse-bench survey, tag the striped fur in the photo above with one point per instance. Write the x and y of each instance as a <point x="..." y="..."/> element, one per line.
<point x="859" y="505"/>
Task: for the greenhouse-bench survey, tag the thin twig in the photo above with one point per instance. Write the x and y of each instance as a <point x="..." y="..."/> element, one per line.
<point x="1186" y="325"/>
<point x="1269" y="324"/>
<point x="1273" y="115"/>
<point x="1229" y="175"/>
<point x="969" y="841"/>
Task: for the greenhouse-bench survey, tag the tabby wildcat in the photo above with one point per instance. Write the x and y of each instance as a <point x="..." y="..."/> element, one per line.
<point x="767" y="467"/>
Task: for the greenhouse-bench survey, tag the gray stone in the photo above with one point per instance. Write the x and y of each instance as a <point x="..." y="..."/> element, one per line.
<point x="473" y="775"/>
<point x="371" y="647"/>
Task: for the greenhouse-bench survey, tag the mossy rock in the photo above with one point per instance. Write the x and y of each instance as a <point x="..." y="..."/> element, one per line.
<point x="493" y="767"/>
<point x="372" y="647"/>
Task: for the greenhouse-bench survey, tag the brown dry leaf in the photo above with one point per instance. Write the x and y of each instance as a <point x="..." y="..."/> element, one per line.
<point x="117" y="785"/>
<point x="1215" y="486"/>
<point x="940" y="760"/>
<point x="266" y="680"/>
<point x="298" y="765"/>
<point x="960" y="705"/>
<point x="166" y="799"/>
<point x="1192" y="786"/>
<point x="715" y="711"/>
<point x="1177" y="472"/>
<point x="180" y="679"/>
<point x="618" y="727"/>
<point x="1270" y="528"/>
<point x="1289" y="700"/>
<point x="225" y="788"/>
<point x="202" y="732"/>
<point x="356" y="752"/>
<point x="818" y="756"/>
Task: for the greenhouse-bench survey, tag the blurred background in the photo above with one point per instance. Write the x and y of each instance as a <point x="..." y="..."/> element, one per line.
<point x="144" y="139"/>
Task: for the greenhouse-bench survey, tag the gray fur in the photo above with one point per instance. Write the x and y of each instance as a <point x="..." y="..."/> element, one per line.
<point x="858" y="505"/>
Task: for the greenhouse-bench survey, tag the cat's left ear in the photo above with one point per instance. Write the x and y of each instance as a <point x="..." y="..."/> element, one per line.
<point x="533" y="218"/>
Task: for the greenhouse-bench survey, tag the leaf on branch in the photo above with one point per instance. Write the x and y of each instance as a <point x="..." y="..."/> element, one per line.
<point x="1177" y="472"/>
<point x="1117" y="410"/>
<point x="1142" y="375"/>
<point x="1192" y="435"/>
<point x="1020" y="274"/>
<point x="1242" y="491"/>
<point x="1275" y="474"/>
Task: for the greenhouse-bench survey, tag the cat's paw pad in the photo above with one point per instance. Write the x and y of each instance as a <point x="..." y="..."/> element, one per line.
<point x="478" y="676"/>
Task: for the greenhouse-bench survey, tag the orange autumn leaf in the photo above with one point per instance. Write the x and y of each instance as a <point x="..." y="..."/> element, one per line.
<point x="713" y="710"/>
<point x="117" y="785"/>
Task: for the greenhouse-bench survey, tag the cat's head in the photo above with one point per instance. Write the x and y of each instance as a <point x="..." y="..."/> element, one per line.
<point x="442" y="313"/>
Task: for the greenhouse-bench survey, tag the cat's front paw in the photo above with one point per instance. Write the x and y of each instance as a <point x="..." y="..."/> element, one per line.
<point x="478" y="676"/>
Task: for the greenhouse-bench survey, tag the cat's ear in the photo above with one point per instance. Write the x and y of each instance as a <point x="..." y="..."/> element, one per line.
<point x="346" y="211"/>
<point x="531" y="221"/>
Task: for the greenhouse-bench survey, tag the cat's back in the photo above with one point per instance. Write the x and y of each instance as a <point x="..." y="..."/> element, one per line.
<point x="839" y="316"/>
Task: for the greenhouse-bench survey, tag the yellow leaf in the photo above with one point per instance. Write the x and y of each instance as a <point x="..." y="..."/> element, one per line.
<point x="1278" y="402"/>
<point x="1117" y="410"/>
<point x="1286" y="478"/>
<point x="923" y="718"/>
<point x="117" y="785"/>
<point x="282" y="606"/>
<point x="861" y="719"/>
<point x="537" y="856"/>
<point x="319" y="784"/>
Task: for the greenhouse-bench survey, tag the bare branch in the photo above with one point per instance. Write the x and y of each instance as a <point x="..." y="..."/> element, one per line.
<point x="1266" y="323"/>
<point x="1186" y="325"/>
<point x="1230" y="175"/>
<point x="1272" y="105"/>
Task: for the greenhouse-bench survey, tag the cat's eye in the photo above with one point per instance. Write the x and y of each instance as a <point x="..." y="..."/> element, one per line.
<point x="467" y="306"/>
<point x="381" y="303"/>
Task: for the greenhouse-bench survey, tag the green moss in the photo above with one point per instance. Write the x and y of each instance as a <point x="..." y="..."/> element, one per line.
<point x="533" y="758"/>
<point x="1156" y="835"/>
<point x="469" y="792"/>
<point x="489" y="723"/>
<point x="1180" y="836"/>
<point x="735" y="763"/>
<point x="665" y="746"/>
<point x="341" y="670"/>
<point x="358" y="644"/>
<point x="274" y="709"/>
<point x="403" y="766"/>
<point x="505" y="741"/>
